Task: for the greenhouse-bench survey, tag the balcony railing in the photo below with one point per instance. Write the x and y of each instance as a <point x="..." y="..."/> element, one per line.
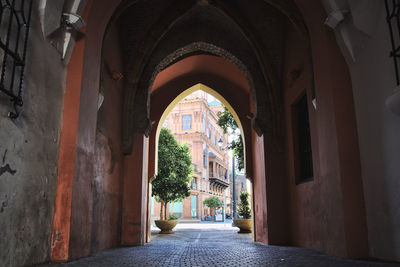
<point x="214" y="175"/>
<point x="218" y="181"/>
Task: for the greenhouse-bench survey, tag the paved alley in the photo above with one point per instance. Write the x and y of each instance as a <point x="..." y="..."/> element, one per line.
<point x="212" y="245"/>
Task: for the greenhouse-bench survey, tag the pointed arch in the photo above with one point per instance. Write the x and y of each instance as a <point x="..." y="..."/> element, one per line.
<point x="179" y="98"/>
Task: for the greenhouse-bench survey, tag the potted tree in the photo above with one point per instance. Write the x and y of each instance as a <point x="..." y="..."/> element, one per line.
<point x="212" y="202"/>
<point x="244" y="223"/>
<point x="171" y="182"/>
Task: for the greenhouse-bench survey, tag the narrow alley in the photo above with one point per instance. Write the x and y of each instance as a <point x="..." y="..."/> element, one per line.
<point x="211" y="245"/>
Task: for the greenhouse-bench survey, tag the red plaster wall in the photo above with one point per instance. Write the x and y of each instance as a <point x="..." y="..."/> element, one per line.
<point x="205" y="63"/>
<point x="108" y="160"/>
<point x="66" y="163"/>
<point x="276" y="189"/>
<point x="72" y="227"/>
<point x="134" y="207"/>
<point x="316" y="210"/>
<point x="333" y="202"/>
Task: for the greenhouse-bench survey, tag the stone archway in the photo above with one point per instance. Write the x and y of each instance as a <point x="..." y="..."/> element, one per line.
<point x="280" y="203"/>
<point x="231" y="83"/>
<point x="160" y="101"/>
<point x="157" y="122"/>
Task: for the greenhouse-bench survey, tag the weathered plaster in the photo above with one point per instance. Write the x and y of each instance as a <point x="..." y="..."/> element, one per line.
<point x="29" y="153"/>
<point x="373" y="80"/>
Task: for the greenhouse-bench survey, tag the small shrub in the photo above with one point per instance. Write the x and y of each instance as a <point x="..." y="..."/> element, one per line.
<point x="172" y="217"/>
<point x="244" y="206"/>
<point x="212" y="202"/>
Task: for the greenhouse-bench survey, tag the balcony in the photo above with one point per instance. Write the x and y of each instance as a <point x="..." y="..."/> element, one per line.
<point x="216" y="175"/>
<point x="214" y="181"/>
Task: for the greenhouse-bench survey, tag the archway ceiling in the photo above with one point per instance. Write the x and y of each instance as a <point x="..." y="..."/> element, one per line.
<point x="152" y="30"/>
<point x="202" y="64"/>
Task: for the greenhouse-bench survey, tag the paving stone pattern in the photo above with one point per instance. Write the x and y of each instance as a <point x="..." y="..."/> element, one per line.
<point x="212" y="248"/>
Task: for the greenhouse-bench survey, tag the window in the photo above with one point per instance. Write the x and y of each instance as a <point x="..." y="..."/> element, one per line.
<point x="302" y="142"/>
<point x="203" y="125"/>
<point x="205" y="158"/>
<point x="186" y="122"/>
<point x="193" y="184"/>
<point x="193" y="206"/>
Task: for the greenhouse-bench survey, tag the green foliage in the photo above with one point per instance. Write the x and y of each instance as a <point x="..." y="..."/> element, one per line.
<point x="237" y="146"/>
<point x="174" y="170"/>
<point x="212" y="202"/>
<point x="170" y="189"/>
<point x="172" y="217"/>
<point x="227" y="121"/>
<point x="244" y="206"/>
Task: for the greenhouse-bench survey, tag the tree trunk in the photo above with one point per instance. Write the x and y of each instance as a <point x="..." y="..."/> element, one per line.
<point x="161" y="210"/>
<point x="165" y="211"/>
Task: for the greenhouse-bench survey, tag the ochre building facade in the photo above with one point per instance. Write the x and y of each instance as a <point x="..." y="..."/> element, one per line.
<point x="194" y="121"/>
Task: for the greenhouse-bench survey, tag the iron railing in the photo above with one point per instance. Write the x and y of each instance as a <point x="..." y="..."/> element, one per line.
<point x="392" y="18"/>
<point x="15" y="16"/>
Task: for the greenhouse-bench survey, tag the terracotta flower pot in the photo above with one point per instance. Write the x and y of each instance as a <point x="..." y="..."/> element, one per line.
<point x="166" y="226"/>
<point x="243" y="224"/>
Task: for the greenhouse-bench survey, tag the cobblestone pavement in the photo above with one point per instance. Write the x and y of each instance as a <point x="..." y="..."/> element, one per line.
<point x="210" y="247"/>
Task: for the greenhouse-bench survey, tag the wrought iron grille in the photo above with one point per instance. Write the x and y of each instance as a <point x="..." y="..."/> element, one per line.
<point x="393" y="20"/>
<point x="15" y="16"/>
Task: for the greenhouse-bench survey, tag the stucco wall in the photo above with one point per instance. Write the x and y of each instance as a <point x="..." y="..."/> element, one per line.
<point x="29" y="145"/>
<point x="373" y="79"/>
<point x="108" y="161"/>
<point x="337" y="170"/>
<point x="313" y="220"/>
